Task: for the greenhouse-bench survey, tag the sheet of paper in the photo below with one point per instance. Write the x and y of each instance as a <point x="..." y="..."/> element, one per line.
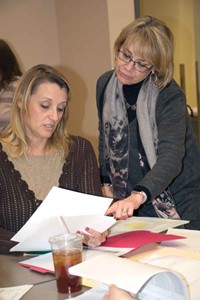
<point x="192" y="241"/>
<point x="166" y="251"/>
<point x="61" y="202"/>
<point x="145" y="223"/>
<point x="130" y="275"/>
<point x="15" y="292"/>
<point x="41" y="263"/>
<point x="44" y="263"/>
<point x="38" y="239"/>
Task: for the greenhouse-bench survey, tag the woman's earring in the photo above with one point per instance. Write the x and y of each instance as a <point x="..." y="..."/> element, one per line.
<point x="153" y="77"/>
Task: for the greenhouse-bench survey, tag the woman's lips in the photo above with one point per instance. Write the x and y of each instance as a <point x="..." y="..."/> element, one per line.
<point x="127" y="77"/>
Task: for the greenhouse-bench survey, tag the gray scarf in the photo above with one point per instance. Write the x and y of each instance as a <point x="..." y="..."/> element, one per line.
<point x="116" y="130"/>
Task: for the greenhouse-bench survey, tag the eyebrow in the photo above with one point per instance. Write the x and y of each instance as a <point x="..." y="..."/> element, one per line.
<point x="48" y="98"/>
<point x="136" y="59"/>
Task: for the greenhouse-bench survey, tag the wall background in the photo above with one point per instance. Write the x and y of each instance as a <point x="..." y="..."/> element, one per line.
<point x="179" y="16"/>
<point x="76" y="36"/>
<point x="182" y="17"/>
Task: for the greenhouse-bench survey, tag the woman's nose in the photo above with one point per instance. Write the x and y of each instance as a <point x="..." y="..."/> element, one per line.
<point x="130" y="65"/>
<point x="54" y="114"/>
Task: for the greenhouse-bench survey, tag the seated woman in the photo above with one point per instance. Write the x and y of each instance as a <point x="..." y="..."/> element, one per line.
<point x="37" y="153"/>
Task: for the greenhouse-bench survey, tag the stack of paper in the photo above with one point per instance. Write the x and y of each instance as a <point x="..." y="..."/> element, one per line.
<point x="176" y="278"/>
<point x="117" y="245"/>
<point x="62" y="211"/>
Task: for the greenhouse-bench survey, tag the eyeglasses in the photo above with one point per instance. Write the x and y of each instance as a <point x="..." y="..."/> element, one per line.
<point x="125" y="57"/>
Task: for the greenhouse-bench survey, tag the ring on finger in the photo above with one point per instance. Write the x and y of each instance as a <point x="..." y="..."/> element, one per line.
<point x="124" y="211"/>
<point x="93" y="240"/>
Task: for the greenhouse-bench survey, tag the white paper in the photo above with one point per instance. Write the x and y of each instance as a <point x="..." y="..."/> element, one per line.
<point x="45" y="261"/>
<point x="61" y="202"/>
<point x="144" y="280"/>
<point x="15" y="292"/>
<point x="64" y="203"/>
<point x="38" y="240"/>
<point x="192" y="241"/>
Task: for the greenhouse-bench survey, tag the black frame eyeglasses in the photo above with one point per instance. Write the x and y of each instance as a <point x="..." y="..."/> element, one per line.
<point x="125" y="57"/>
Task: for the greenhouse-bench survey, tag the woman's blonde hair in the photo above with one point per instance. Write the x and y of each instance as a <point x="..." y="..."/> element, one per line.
<point x="152" y="41"/>
<point x="14" y="136"/>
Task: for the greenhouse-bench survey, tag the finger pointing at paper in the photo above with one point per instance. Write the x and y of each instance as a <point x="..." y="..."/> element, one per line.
<point x="122" y="209"/>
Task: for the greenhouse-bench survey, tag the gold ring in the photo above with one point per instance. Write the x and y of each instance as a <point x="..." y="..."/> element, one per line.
<point x="93" y="241"/>
<point x="124" y="211"/>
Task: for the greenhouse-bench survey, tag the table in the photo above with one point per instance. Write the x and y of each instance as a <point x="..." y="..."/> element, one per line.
<point x="12" y="274"/>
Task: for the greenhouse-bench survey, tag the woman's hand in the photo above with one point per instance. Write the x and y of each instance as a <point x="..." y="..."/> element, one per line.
<point x="122" y="209"/>
<point x="107" y="191"/>
<point x="94" y="238"/>
<point x="114" y="293"/>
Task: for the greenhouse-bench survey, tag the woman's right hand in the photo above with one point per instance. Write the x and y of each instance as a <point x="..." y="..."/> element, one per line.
<point x="123" y="209"/>
<point x="114" y="293"/>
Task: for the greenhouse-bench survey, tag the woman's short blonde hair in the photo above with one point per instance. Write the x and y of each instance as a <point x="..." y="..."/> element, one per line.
<point x="15" y="136"/>
<point x="152" y="41"/>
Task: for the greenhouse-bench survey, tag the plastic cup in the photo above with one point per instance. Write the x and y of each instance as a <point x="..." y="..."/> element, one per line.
<point x="67" y="251"/>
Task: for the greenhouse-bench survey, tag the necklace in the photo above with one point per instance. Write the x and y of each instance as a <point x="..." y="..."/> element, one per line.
<point x="129" y="106"/>
<point x="2" y="90"/>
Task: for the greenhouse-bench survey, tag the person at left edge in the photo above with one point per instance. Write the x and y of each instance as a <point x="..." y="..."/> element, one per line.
<point x="10" y="74"/>
<point x="37" y="153"/>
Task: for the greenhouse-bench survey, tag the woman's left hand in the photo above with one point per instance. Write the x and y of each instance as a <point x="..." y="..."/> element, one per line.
<point x="114" y="293"/>
<point x="94" y="238"/>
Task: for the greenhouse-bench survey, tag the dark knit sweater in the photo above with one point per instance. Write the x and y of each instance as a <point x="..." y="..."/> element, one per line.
<point x="17" y="202"/>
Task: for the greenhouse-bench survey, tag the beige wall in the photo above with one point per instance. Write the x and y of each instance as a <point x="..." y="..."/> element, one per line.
<point x="74" y="35"/>
<point x="30" y="26"/>
<point x="120" y="13"/>
<point x="179" y="16"/>
<point x="85" y="54"/>
<point x="86" y="30"/>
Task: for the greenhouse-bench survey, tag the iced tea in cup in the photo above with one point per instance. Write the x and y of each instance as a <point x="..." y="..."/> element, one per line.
<point x="67" y="252"/>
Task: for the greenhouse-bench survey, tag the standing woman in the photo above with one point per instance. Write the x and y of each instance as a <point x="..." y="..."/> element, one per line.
<point x="9" y="76"/>
<point x="149" y="158"/>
